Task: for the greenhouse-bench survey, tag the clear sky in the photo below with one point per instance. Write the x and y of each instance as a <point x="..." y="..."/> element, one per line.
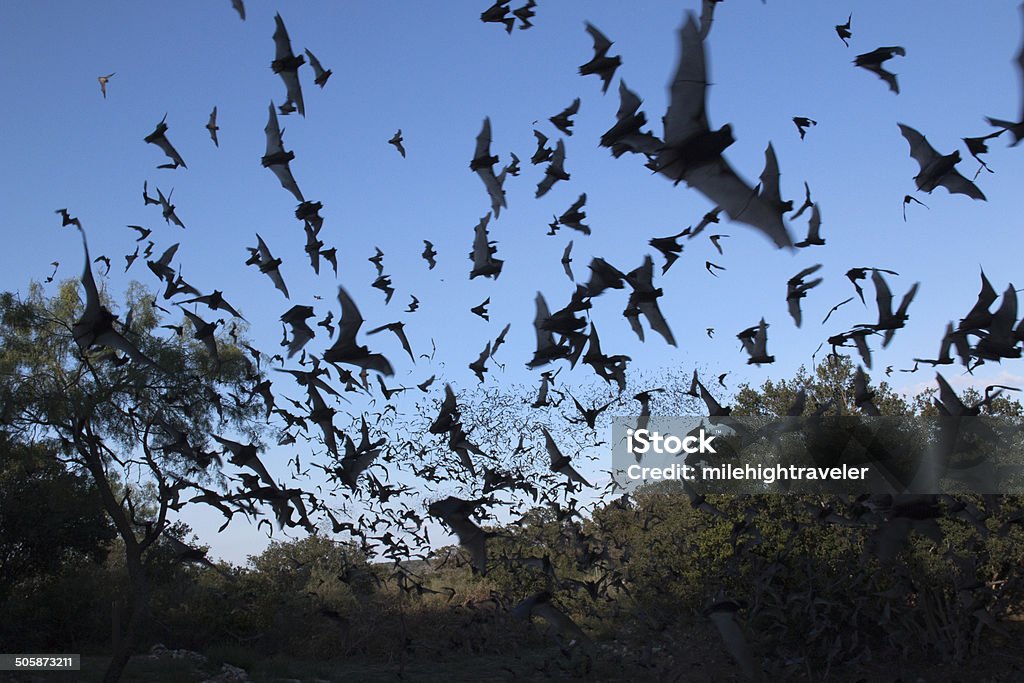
<point x="435" y="71"/>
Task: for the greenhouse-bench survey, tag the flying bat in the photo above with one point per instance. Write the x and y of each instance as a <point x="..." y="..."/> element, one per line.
<point x="286" y="65"/>
<point x="483" y="165"/>
<point x="212" y="126"/>
<point x="159" y="138"/>
<point x="814" y="237"/>
<point x="693" y="152"/>
<point x="889" y="321"/>
<point x="937" y="169"/>
<point x="601" y="65"/>
<point x="755" y="343"/>
<point x="906" y="200"/>
<point x="978" y="146"/>
<point x="103" y="83"/>
<point x="844" y="32"/>
<point x="215" y="302"/>
<point x="524" y="14"/>
<point x="561" y="464"/>
<point x="645" y="300"/>
<point x="239" y="6"/>
<point x="345" y="349"/>
<point x="268" y="265"/>
<point x="398" y="329"/>
<point x="320" y="75"/>
<point x="555" y="170"/>
<point x="481" y="309"/>
<point x="543" y="153"/>
<point x="167" y="209"/>
<point x="429" y="254"/>
<point x="797" y="288"/>
<point x="277" y="159"/>
<point x="396" y="140"/>
<point x="573" y="216"/>
<point x="855" y="274"/>
<point x="625" y="135"/>
<point x="498" y="14"/>
<point x="567" y="261"/>
<point x="479" y="366"/>
<point x="295" y="317"/>
<point x="872" y="61"/>
<point x="562" y="120"/>
<point x="802" y="124"/>
<point x="456" y="513"/>
<point x="483" y="252"/>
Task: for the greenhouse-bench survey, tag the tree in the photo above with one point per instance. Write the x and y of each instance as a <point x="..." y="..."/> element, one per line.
<point x="119" y="422"/>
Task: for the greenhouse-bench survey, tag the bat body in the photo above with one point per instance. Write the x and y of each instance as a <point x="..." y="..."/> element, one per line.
<point x="159" y="138"/>
<point x="320" y="74"/>
<point x="212" y="127"/>
<point x="483" y="252"/>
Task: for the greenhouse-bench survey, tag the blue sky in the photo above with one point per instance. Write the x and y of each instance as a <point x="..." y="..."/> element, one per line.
<point x="435" y="71"/>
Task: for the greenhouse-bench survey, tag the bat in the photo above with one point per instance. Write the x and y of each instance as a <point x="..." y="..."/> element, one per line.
<point x="483" y="252"/>
<point x="644" y="299"/>
<point x="906" y="200"/>
<point x="212" y="126"/>
<point x="498" y="14"/>
<point x="396" y="140"/>
<point x="562" y="120"/>
<point x="239" y="6"/>
<point x="797" y="288"/>
<point x="543" y="153"/>
<point x="481" y="309"/>
<point x="978" y="146"/>
<point x="320" y="75"/>
<point x="601" y="64"/>
<point x="398" y="329"/>
<point x="295" y="317"/>
<point x="277" y="159"/>
<point x="573" y="216"/>
<point x="429" y="254"/>
<point x="524" y="14"/>
<point x="625" y="135"/>
<point x="844" y="32"/>
<point x="268" y="265"/>
<point x="456" y="513"/>
<point x="554" y="172"/>
<point x="937" y="169"/>
<point x="561" y="464"/>
<point x="479" y="366"/>
<point x="103" y="83"/>
<point x="814" y="237"/>
<point x="707" y="16"/>
<point x="167" y="209"/>
<point x="872" y="61"/>
<point x="215" y="302"/>
<point x="483" y="165"/>
<point x="567" y="261"/>
<point x="345" y="349"/>
<point x="286" y="65"/>
<point x="802" y="124"/>
<point x="159" y="138"/>
<point x="755" y="343"/>
<point x="693" y="152"/>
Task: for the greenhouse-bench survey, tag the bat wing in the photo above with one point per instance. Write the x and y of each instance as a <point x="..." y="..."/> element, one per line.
<point x="719" y="183"/>
<point x="239" y="6"/>
<point x="921" y="151"/>
<point x="686" y="115"/>
<point x="707" y="16"/>
<point x="958" y="184"/>
<point x="883" y="297"/>
<point x="601" y="42"/>
<point x="656" y="320"/>
<point x="275" y="143"/>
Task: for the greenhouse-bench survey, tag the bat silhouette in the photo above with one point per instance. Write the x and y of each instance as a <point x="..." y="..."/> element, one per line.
<point x="320" y="75"/>
<point x="1016" y="129"/>
<point x="573" y="216"/>
<point x="889" y="321"/>
<point x="345" y="349"/>
<point x="855" y="274"/>
<point x="978" y="146"/>
<point x="396" y="140"/>
<point x="167" y="209"/>
<point x="872" y="61"/>
<point x="797" y="288"/>
<point x="601" y="65"/>
<point x="212" y="127"/>
<point x="512" y="168"/>
<point x="937" y="169"/>
<point x="906" y="200"/>
<point x="215" y="301"/>
<point x="498" y="14"/>
<point x="429" y="254"/>
<point x="479" y="366"/>
<point x="561" y="464"/>
<point x="755" y="343"/>
<point x="204" y="331"/>
<point x="806" y="205"/>
<point x="693" y="152"/>
<point x="625" y="135"/>
<point x="716" y="240"/>
<point x="159" y="138"/>
<point x="96" y="325"/>
<point x="603" y="276"/>
<point x="277" y="159"/>
<point x="456" y="513"/>
<point x="483" y="165"/>
<point x="268" y="265"/>
<point x="543" y="153"/>
<point x="286" y="65"/>
<point x="483" y="252"/>
<point x="524" y="14"/>
<point x="414" y="304"/>
<point x="834" y="309"/>
<point x="383" y="283"/>
<point x="103" y="83"/>
<point x="844" y="32"/>
<point x="814" y="237"/>
<point x="802" y="124"/>
<point x="644" y="299"/>
<point x="555" y="170"/>
<point x="567" y="261"/>
<point x="481" y="309"/>
<point x="562" y="120"/>
<point x="239" y="6"/>
<point x="295" y="317"/>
